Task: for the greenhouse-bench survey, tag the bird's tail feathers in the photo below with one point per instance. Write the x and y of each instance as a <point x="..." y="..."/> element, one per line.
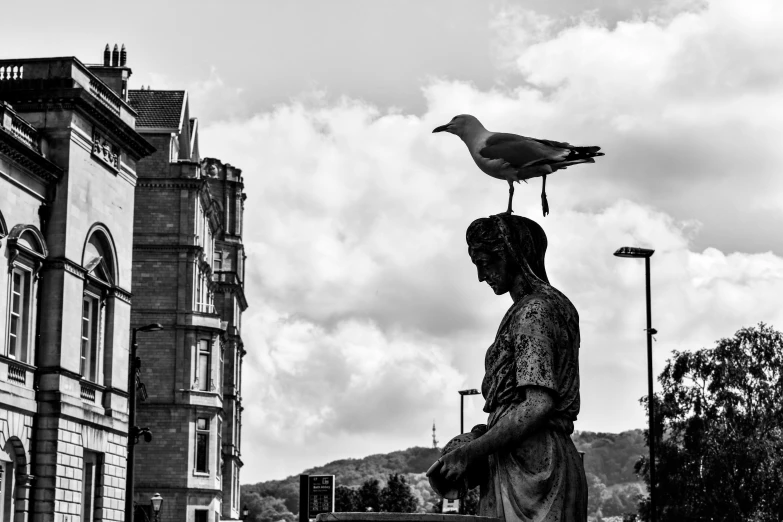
<point x="583" y="153"/>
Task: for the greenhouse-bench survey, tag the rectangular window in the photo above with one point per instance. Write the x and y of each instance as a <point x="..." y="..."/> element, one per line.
<point x="203" y="375"/>
<point x="202" y="515"/>
<point x="91" y="486"/>
<point x="90" y="337"/>
<point x="217" y="264"/>
<point x="19" y="338"/>
<point x="202" y="444"/>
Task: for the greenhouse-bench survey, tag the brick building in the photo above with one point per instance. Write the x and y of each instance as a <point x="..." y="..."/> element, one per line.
<point x="188" y="273"/>
<point x="79" y="154"/>
<point x="68" y="154"/>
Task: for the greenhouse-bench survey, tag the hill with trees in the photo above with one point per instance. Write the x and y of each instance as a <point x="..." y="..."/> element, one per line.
<point x="609" y="465"/>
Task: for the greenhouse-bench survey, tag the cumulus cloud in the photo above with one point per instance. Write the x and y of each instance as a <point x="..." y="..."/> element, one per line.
<point x="366" y="315"/>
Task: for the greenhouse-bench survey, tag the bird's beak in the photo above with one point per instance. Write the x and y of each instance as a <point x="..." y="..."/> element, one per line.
<point x="441" y="128"/>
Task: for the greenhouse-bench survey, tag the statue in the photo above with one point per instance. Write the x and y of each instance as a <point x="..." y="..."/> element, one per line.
<point x="524" y="459"/>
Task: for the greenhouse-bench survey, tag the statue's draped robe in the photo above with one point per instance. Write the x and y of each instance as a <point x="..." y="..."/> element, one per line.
<point x="542" y="478"/>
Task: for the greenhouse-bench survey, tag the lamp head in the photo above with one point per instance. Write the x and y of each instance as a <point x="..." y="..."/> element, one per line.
<point x="154" y="327"/>
<point x="472" y="391"/>
<point x="634" y="252"/>
<point x="156" y="502"/>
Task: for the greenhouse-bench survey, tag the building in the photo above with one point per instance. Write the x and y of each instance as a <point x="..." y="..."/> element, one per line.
<point x="68" y="155"/>
<point x="188" y="273"/>
<point x="102" y="193"/>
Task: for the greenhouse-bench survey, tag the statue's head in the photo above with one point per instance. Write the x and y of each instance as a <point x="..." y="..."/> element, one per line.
<point x="504" y="247"/>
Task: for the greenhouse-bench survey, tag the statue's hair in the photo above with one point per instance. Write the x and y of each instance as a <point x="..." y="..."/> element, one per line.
<point x="515" y="238"/>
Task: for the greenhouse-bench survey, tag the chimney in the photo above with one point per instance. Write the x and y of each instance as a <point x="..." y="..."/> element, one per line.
<point x="115" y="56"/>
<point x="106" y="56"/>
<point x="123" y="56"/>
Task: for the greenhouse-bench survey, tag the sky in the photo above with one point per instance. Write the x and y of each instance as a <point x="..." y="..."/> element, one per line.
<point x="366" y="316"/>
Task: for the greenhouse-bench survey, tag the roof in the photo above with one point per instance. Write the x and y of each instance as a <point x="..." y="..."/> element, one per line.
<point x="158" y="109"/>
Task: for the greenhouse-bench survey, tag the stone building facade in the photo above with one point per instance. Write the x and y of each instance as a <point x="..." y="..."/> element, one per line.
<point x="103" y="192"/>
<point x="188" y="273"/>
<point x="68" y="155"/>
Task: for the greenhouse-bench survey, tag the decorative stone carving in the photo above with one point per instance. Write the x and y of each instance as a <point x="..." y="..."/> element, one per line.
<point x="103" y="150"/>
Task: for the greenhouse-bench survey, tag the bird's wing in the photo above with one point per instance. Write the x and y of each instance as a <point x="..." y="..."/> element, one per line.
<point x="519" y="151"/>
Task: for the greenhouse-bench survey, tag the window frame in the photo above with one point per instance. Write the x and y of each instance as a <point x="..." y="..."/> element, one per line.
<point x="27" y="251"/>
<point x="97" y="334"/>
<point x="203" y="366"/>
<point x="201" y="432"/>
<point x="25" y="314"/>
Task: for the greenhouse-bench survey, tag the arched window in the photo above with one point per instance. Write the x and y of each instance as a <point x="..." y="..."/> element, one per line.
<point x="99" y="261"/>
<point x="27" y="250"/>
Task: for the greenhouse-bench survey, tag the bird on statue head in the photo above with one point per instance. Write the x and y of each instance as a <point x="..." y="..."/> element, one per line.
<point x="516" y="158"/>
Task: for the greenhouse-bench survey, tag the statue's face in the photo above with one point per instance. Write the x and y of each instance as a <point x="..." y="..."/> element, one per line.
<point x="495" y="270"/>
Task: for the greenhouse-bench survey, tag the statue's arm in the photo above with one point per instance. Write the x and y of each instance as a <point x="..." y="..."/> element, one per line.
<point x="519" y="423"/>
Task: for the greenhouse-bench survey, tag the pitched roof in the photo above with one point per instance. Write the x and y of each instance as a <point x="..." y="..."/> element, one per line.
<point x="158" y="109"/>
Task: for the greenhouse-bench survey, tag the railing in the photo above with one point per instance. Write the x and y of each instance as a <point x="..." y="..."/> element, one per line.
<point x="108" y="97"/>
<point x="11" y="72"/>
<point x="17" y="373"/>
<point x="22" y="130"/>
<point x="88" y="393"/>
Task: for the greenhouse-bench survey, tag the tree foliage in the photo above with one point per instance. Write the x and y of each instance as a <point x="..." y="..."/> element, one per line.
<point x="265" y="508"/>
<point x="718" y="438"/>
<point x="396" y="496"/>
<point x="370" y="496"/>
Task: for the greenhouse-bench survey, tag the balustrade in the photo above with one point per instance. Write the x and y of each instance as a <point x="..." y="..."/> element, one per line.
<point x="17" y="373"/>
<point x="105" y="95"/>
<point x="11" y="72"/>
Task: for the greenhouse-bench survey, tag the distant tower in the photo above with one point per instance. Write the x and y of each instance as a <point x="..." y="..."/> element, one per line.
<point x="434" y="440"/>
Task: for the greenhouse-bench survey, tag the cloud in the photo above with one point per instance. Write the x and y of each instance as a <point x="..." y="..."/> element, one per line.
<point x="366" y="315"/>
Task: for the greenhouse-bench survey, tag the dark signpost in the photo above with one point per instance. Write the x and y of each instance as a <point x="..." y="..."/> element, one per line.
<point x="316" y="496"/>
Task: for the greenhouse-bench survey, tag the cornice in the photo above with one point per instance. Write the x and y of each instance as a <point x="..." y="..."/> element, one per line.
<point x="41" y="167"/>
<point x="29" y="95"/>
<point x="167" y="248"/>
<point x="73" y="268"/>
<point x="190" y="183"/>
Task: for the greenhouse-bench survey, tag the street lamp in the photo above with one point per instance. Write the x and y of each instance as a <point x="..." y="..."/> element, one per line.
<point x="462" y="394"/>
<point x="245" y="512"/>
<point x="157" y="502"/>
<point x="646" y="253"/>
<point x="134" y="432"/>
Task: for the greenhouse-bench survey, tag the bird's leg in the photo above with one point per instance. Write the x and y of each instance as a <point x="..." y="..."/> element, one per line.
<point x="544" y="203"/>
<point x="510" y="195"/>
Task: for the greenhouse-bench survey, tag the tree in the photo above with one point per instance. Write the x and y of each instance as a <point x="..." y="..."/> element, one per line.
<point x="718" y="431"/>
<point x="396" y="497"/>
<point x="595" y="493"/>
<point x="370" y="496"/>
<point x="265" y="508"/>
<point x="346" y="499"/>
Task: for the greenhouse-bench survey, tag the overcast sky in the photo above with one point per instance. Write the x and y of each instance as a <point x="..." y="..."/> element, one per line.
<point x="365" y="314"/>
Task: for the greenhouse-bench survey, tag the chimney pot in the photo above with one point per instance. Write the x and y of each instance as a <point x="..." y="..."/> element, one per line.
<point x="123" y="56"/>
<point x="106" y="56"/>
<point x="115" y="56"/>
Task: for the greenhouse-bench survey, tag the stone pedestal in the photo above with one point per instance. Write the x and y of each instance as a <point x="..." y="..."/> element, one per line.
<point x="400" y="517"/>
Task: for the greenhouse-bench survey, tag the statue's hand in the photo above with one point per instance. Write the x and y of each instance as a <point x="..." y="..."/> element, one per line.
<point x="453" y="465"/>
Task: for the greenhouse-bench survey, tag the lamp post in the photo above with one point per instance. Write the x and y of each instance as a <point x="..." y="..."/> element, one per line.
<point x="462" y="394"/>
<point x="157" y="502"/>
<point x="245" y="512"/>
<point x="646" y="253"/>
<point x="133" y="431"/>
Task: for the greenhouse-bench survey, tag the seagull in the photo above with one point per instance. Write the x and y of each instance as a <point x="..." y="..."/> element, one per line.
<point x="512" y="157"/>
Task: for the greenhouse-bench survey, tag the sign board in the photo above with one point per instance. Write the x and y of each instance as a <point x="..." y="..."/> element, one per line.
<point x="320" y="495"/>
<point x="450" y="506"/>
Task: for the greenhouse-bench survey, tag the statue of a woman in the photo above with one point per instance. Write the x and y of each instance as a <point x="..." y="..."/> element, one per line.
<point x="525" y="462"/>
